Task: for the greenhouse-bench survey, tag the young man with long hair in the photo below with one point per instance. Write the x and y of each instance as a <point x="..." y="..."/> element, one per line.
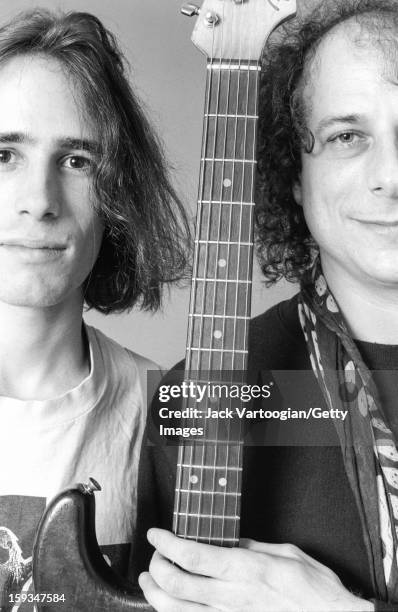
<point x="88" y="216"/>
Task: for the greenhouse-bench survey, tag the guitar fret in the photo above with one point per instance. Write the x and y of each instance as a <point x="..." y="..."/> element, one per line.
<point x="209" y="323"/>
<point x="215" y="316"/>
<point x="241" y="66"/>
<point x="226" y="202"/>
<point x="220" y="280"/>
<point x="235" y="446"/>
<point x="205" y="527"/>
<point x="210" y="467"/>
<point x="215" y="360"/>
<point x="198" y="348"/>
<point x="207" y="516"/>
<point x="210" y="539"/>
<point x="225" y="115"/>
<point x="223" y="242"/>
<point x="237" y="494"/>
<point x="227" y="442"/>
<point x="215" y="381"/>
<point x="229" y="160"/>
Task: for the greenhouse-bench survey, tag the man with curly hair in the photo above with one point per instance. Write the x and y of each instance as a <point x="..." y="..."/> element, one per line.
<point x="327" y="217"/>
<point x="87" y="216"/>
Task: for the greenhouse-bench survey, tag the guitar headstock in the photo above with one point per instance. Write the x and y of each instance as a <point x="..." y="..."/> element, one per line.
<point x="238" y="29"/>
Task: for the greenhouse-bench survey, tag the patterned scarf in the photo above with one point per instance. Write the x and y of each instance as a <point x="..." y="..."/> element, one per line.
<point x="368" y="446"/>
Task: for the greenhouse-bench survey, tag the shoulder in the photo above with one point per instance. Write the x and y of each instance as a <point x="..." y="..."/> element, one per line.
<point x="131" y="377"/>
<point x="112" y="350"/>
<point x="276" y="340"/>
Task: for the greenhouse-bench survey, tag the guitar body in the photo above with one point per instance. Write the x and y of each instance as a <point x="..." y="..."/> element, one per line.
<point x="67" y="559"/>
<point x="67" y="531"/>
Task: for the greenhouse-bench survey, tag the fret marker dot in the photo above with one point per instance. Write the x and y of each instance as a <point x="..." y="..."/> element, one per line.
<point x="193" y="479"/>
<point x="217" y="334"/>
<point x="222" y="482"/>
<point x="227" y="182"/>
<point x="222" y="263"/>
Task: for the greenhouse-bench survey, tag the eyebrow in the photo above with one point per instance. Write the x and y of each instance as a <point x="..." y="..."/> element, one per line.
<point x="81" y="144"/>
<point x="333" y="119"/>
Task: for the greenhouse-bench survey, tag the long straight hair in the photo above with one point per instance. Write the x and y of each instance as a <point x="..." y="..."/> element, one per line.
<point x="146" y="238"/>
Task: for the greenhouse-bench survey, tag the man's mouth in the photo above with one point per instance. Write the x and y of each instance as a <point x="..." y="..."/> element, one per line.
<point x="28" y="251"/>
<point x="378" y="222"/>
<point x="32" y="244"/>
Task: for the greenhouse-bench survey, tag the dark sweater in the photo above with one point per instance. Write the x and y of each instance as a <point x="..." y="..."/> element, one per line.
<point x="291" y="493"/>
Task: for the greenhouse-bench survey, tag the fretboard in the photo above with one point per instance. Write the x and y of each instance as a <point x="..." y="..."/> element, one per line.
<point x="207" y="496"/>
<point x="207" y="500"/>
<point x="220" y="299"/>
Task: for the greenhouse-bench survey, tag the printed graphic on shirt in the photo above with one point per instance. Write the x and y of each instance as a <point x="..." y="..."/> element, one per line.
<point x="19" y="518"/>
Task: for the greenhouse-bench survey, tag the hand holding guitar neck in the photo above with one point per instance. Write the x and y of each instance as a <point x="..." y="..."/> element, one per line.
<point x="190" y="576"/>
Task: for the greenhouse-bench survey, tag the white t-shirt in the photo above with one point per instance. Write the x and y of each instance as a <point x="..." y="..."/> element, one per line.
<point x="93" y="430"/>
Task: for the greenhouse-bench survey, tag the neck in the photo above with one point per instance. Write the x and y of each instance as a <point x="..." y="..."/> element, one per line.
<point x="42" y="350"/>
<point x="370" y="311"/>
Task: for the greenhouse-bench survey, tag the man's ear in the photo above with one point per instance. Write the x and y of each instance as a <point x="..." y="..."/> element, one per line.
<point x="297" y="192"/>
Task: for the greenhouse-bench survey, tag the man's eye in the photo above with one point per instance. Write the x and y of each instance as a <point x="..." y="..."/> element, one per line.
<point x="6" y="156"/>
<point x="77" y="162"/>
<point x="346" y="138"/>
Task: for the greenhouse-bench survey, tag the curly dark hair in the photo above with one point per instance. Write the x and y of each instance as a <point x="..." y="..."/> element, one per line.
<point x="284" y="244"/>
<point x="146" y="237"/>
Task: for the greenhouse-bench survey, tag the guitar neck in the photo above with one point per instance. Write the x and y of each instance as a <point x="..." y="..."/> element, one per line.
<point x="221" y="285"/>
<point x="207" y="500"/>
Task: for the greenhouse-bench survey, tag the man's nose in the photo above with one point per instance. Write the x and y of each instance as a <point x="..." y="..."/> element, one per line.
<point x="40" y="195"/>
<point x="383" y="169"/>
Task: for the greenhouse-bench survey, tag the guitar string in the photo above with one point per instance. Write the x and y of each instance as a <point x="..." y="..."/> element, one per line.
<point x="225" y="446"/>
<point x="186" y="457"/>
<point x="222" y="448"/>
<point x="205" y="269"/>
<point x="212" y="447"/>
<point x="205" y="275"/>
<point x="229" y="274"/>
<point x="239" y="249"/>
<point x="248" y="251"/>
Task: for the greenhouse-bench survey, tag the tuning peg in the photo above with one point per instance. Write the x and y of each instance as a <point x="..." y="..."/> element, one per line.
<point x="190" y="9"/>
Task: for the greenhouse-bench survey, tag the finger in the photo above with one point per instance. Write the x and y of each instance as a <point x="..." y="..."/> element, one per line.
<point x="195" y="557"/>
<point x="183" y="586"/>
<point x="162" y="602"/>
